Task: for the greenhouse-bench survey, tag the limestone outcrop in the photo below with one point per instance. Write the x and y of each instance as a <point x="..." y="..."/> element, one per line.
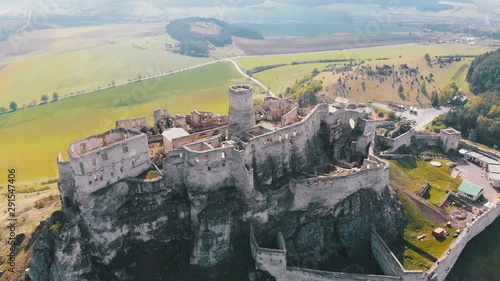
<point x="314" y="183"/>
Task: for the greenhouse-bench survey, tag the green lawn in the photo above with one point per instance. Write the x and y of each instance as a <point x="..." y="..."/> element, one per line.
<point x="31" y="138"/>
<point x="285" y="76"/>
<point x="419" y="224"/>
<point x="414" y="174"/>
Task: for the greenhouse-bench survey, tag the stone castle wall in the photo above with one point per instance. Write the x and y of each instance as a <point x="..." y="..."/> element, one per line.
<point x="133" y="123"/>
<point x="108" y="164"/>
<point x="389" y="263"/>
<point x="445" y="263"/>
<point x="270" y="260"/>
<point x="430" y="139"/>
<point x="331" y="190"/>
<point x="396" y="143"/>
<point x="302" y="274"/>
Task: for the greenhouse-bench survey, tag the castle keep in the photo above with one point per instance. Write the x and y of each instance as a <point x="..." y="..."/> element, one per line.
<point x="234" y="170"/>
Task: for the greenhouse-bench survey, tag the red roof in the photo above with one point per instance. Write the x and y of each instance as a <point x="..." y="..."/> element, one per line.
<point x="438" y="232"/>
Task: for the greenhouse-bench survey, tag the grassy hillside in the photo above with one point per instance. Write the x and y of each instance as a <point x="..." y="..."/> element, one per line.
<point x="33" y="137"/>
<point x="365" y="87"/>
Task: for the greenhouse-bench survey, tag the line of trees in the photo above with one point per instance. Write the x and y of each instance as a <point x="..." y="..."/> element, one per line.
<point x="479" y="119"/>
<point x="198" y="44"/>
<point x="13" y="106"/>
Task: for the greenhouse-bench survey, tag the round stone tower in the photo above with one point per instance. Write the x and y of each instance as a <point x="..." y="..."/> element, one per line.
<point x="241" y="110"/>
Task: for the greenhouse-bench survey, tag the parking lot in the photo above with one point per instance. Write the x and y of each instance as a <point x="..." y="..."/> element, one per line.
<point x="475" y="175"/>
<point x="423" y="117"/>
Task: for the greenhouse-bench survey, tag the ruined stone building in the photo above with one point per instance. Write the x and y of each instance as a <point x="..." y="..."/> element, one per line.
<point x="228" y="188"/>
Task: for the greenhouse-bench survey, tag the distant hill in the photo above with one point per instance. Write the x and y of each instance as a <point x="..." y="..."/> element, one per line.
<point x="198" y="34"/>
<point x="423" y="5"/>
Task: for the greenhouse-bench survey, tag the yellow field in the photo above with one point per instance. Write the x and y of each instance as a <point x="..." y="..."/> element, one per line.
<point x="410" y="51"/>
<point x="68" y="65"/>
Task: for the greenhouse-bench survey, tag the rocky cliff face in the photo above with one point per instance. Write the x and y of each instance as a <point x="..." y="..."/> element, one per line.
<point x="138" y="230"/>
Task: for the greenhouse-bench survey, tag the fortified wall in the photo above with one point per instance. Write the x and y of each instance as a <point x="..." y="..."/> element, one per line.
<point x="329" y="191"/>
<point x="102" y="160"/>
<point x="447" y="139"/>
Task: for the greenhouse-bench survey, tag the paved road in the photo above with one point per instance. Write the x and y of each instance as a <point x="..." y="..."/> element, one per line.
<point x="251" y="78"/>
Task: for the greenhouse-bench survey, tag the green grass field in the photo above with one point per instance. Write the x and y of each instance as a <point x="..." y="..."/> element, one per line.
<point x="281" y="77"/>
<point x="419" y="224"/>
<point x="391" y="52"/>
<point x="31" y="138"/>
<point x="65" y="72"/>
<point x="413" y="175"/>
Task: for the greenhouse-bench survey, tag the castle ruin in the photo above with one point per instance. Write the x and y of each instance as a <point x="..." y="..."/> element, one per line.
<point x="225" y="182"/>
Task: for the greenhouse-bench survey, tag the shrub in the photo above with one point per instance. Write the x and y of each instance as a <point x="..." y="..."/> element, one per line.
<point x="39" y="204"/>
<point x="56" y="228"/>
<point x="380" y="114"/>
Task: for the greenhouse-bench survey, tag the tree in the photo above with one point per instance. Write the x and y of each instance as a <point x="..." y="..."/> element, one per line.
<point x="3" y="109"/>
<point x="44" y="98"/>
<point x="435" y="99"/>
<point x="423" y="88"/>
<point x="401" y="89"/>
<point x="55" y="96"/>
<point x="363" y="86"/>
<point x="428" y="59"/>
<point x="13" y="105"/>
